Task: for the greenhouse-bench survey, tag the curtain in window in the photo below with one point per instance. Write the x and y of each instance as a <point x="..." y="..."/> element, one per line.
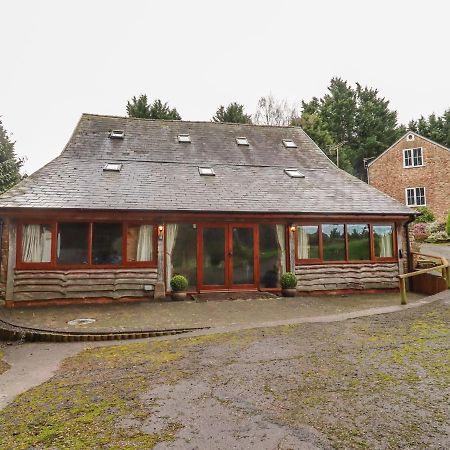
<point x="36" y="243"/>
<point x="281" y="242"/>
<point x="171" y="235"/>
<point x="303" y="244"/>
<point x="386" y="246"/>
<point x="145" y="243"/>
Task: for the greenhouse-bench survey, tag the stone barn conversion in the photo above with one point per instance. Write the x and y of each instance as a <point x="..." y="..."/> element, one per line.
<point x="131" y="202"/>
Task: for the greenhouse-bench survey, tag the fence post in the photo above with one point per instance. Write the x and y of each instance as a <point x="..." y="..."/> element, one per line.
<point x="403" y="290"/>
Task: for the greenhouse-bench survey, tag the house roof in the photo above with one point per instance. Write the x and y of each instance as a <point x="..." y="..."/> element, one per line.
<point x="160" y="174"/>
<point x="403" y="137"/>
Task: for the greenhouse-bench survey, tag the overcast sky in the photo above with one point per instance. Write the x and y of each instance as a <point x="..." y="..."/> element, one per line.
<point x="62" y="58"/>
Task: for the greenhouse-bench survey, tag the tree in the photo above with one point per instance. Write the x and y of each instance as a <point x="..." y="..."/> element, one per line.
<point x="233" y="113"/>
<point x="271" y="111"/>
<point x="10" y="163"/>
<point x="434" y="127"/>
<point x="355" y="121"/>
<point x="140" y="108"/>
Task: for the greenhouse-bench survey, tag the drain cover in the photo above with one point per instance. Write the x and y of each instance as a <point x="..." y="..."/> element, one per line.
<point x="80" y="321"/>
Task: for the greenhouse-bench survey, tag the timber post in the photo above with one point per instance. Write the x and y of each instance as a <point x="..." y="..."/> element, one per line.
<point x="291" y="239"/>
<point x="403" y="291"/>
<point x="160" y="286"/>
<point x="9" y="291"/>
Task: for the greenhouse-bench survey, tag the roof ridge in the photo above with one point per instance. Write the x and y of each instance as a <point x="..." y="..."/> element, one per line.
<point x="112" y="116"/>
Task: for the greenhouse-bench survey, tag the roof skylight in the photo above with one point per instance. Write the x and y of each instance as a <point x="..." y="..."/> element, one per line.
<point x="184" y="138"/>
<point x="289" y="143"/>
<point x="206" y="171"/>
<point x="242" y="141"/>
<point x="112" y="167"/>
<point x="116" y="134"/>
<point x="294" y="173"/>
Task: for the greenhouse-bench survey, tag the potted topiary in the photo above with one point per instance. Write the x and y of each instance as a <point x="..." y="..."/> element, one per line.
<point x="179" y="284"/>
<point x="288" y="284"/>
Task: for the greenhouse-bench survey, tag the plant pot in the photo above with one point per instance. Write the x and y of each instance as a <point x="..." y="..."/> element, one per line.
<point x="177" y="295"/>
<point x="291" y="292"/>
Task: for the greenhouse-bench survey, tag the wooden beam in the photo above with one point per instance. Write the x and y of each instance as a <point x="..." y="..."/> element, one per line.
<point x="9" y="292"/>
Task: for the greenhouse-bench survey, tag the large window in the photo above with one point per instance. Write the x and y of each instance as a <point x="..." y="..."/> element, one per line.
<point x="413" y="157"/>
<point x="36" y="243"/>
<point x="87" y="244"/>
<point x="308" y="242"/>
<point x="184" y="253"/>
<point x="72" y="243"/>
<point x="333" y="239"/>
<point x="358" y="237"/>
<point x="415" y="196"/>
<point x="272" y="255"/>
<point x="328" y="243"/>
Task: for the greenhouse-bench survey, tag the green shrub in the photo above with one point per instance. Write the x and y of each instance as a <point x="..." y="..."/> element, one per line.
<point x="439" y="236"/>
<point x="436" y="226"/>
<point x="448" y="223"/>
<point x="426" y="215"/>
<point x="288" y="280"/>
<point x="178" y="283"/>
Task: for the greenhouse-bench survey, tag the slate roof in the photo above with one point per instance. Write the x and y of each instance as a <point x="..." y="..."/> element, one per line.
<point x="161" y="174"/>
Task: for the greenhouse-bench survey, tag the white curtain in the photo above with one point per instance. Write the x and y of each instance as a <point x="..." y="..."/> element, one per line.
<point x="36" y="243"/>
<point x="303" y="243"/>
<point x="386" y="246"/>
<point x="145" y="243"/>
<point x="282" y="243"/>
<point x="171" y="235"/>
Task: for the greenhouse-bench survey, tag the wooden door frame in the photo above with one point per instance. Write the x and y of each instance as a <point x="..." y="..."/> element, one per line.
<point x="228" y="256"/>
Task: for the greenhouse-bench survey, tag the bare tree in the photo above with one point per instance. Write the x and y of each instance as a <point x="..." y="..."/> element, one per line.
<point x="271" y="111"/>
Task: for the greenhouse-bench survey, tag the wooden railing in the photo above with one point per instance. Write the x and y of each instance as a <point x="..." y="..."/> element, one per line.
<point x="442" y="265"/>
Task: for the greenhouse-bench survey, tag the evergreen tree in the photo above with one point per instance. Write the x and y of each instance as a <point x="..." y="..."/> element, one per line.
<point x="436" y="128"/>
<point x="140" y="108"/>
<point x="233" y="113"/>
<point x="10" y="164"/>
<point x="356" y="122"/>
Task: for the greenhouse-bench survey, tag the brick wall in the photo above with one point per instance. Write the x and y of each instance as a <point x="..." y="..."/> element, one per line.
<point x="388" y="174"/>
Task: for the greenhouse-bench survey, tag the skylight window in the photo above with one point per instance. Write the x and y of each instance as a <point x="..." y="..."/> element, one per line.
<point x="206" y="171"/>
<point x="294" y="173"/>
<point x="184" y="138"/>
<point x="112" y="167"/>
<point x="242" y="141"/>
<point x="117" y="134"/>
<point x="289" y="143"/>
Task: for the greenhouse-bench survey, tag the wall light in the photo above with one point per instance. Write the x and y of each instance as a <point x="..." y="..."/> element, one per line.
<point x="160" y="231"/>
<point x="292" y="227"/>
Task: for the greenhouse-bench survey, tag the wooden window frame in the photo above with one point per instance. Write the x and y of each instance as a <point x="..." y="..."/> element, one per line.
<point x="53" y="264"/>
<point x="373" y="259"/>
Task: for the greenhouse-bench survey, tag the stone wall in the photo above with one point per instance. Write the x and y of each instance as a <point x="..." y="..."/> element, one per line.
<point x="388" y="174"/>
<point x="335" y="277"/>
<point x="4" y="258"/>
<point x="78" y="284"/>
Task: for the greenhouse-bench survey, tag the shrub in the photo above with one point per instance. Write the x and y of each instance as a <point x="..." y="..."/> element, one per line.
<point x="436" y="226"/>
<point x="420" y="231"/>
<point x="426" y="215"/>
<point x="288" y="280"/>
<point x="439" y="236"/>
<point x="448" y="223"/>
<point x="178" y="283"/>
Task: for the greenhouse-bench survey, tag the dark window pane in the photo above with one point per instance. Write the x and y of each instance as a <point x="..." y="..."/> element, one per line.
<point x="184" y="254"/>
<point x="272" y="254"/>
<point x="107" y="243"/>
<point x="358" y="242"/>
<point x="333" y="242"/>
<point x="72" y="243"/>
<point x="243" y="260"/>
<point x="214" y="256"/>
<point x="382" y="235"/>
<point x="308" y="242"/>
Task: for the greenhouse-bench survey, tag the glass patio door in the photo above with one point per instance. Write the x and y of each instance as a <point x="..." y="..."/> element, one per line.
<point x="227" y="256"/>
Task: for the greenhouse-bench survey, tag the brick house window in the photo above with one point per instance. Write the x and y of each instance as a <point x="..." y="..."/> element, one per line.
<point x="413" y="157"/>
<point x="415" y="196"/>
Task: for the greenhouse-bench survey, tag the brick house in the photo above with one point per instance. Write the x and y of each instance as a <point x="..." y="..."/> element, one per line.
<point x="416" y="172"/>
<point x="130" y="202"/>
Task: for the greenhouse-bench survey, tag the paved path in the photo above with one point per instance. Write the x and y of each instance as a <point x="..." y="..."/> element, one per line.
<point x="436" y="249"/>
<point x="34" y="363"/>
